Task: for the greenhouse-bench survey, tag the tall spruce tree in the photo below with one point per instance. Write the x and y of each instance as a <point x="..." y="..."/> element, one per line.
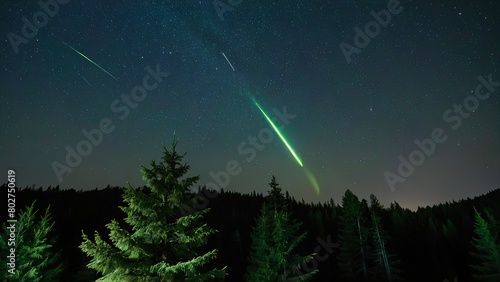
<point x="163" y="244"/>
<point x="259" y="268"/>
<point x="485" y="250"/>
<point x="353" y="240"/>
<point x="386" y="265"/>
<point x="274" y="239"/>
<point x="275" y="198"/>
<point x="35" y="257"/>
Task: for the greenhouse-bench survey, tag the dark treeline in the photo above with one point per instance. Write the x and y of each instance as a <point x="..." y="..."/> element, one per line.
<point x="432" y="244"/>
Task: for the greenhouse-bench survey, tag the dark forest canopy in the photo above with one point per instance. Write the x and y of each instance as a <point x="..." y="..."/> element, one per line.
<point x="432" y="243"/>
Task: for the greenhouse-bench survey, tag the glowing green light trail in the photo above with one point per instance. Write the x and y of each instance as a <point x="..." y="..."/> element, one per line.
<point x="88" y="59"/>
<point x="279" y="133"/>
<point x="313" y="180"/>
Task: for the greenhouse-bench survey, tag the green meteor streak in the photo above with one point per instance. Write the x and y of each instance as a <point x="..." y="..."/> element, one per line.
<point x="88" y="59"/>
<point x="279" y="133"/>
<point x="313" y="180"/>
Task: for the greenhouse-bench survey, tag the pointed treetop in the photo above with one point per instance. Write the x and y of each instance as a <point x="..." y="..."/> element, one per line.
<point x="275" y="189"/>
<point x="375" y="205"/>
<point x="275" y="198"/>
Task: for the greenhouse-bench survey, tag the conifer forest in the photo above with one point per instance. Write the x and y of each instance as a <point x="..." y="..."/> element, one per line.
<point x="166" y="231"/>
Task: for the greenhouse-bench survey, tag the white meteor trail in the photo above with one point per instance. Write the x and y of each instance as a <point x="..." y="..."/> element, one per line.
<point x="86" y="80"/>
<point x="228" y="61"/>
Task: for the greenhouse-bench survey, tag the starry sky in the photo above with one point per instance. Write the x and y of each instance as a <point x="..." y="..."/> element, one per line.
<point x="350" y="94"/>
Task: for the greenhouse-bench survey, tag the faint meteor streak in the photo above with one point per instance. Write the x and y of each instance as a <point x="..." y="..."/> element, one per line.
<point x="86" y="80"/>
<point x="279" y="133"/>
<point x="228" y="61"/>
<point x="90" y="61"/>
<point x="313" y="180"/>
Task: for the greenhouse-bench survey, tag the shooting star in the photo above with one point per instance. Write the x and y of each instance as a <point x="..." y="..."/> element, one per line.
<point x="79" y="53"/>
<point x="309" y="174"/>
<point x="86" y="80"/>
<point x="313" y="180"/>
<point x="279" y="133"/>
<point x="228" y="61"/>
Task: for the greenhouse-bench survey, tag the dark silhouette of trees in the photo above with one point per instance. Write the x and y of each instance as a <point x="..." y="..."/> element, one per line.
<point x="442" y="233"/>
<point x="353" y="239"/>
<point x="274" y="239"/>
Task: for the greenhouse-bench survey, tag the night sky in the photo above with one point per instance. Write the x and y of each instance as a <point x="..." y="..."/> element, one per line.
<point x="349" y="104"/>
